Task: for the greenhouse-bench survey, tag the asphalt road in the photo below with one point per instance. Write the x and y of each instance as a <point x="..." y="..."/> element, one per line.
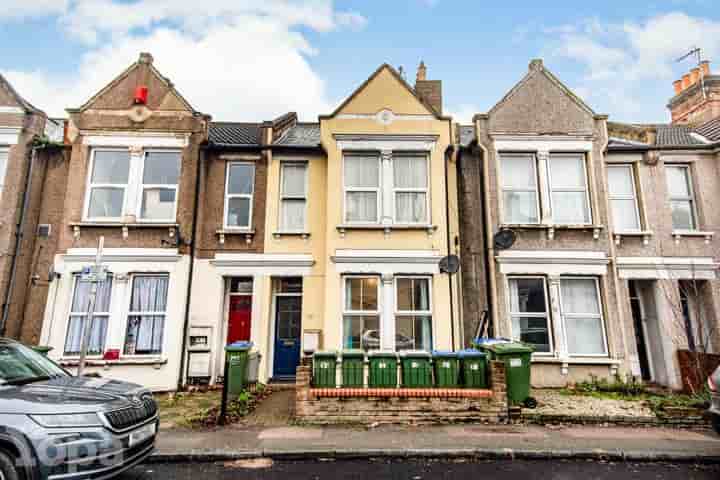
<point x="422" y="469"/>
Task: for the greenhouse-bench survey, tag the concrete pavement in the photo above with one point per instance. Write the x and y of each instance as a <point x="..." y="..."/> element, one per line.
<point x="483" y="441"/>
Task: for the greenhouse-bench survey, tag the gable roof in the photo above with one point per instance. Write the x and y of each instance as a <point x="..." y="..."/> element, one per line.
<point x="234" y="134"/>
<point x="144" y="59"/>
<point x="536" y="67"/>
<point x="24" y="104"/>
<point x="398" y="77"/>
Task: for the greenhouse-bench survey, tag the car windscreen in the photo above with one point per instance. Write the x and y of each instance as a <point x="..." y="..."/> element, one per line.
<point x="20" y="365"/>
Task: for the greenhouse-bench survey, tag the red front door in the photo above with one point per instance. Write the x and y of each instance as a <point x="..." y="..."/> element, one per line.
<point x="239" y="318"/>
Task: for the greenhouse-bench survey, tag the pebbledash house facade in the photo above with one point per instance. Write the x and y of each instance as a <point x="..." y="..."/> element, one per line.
<point x="574" y="234"/>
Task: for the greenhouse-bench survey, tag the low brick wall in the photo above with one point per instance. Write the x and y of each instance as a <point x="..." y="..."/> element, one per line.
<point x="401" y="405"/>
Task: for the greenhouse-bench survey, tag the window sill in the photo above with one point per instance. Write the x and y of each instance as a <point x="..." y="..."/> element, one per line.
<point x="551" y="228"/>
<point x="303" y="235"/>
<point x="99" y="362"/>
<point x="247" y="232"/>
<point x="565" y="363"/>
<point x="125" y="226"/>
<point x="678" y="234"/>
<point x="343" y="228"/>
<point x="645" y="234"/>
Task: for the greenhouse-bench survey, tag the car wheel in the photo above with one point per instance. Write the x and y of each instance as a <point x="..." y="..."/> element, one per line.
<point x="8" y="471"/>
<point x="716" y="423"/>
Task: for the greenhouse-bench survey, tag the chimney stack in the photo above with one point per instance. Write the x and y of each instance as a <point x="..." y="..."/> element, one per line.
<point x="146" y="58"/>
<point x="430" y="91"/>
<point x="685" y="81"/>
<point x="677" y="85"/>
<point x="694" y="75"/>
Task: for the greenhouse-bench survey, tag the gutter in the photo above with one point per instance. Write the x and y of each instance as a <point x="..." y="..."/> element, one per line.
<point x="31" y="156"/>
<point x="191" y="270"/>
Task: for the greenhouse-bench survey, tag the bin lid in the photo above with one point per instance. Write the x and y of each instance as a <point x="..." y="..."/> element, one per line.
<point x="444" y="354"/>
<point x="239" y="346"/>
<point x="490" y="341"/>
<point x="414" y="354"/>
<point x="353" y="353"/>
<point x="471" y="353"/>
<point x="382" y="354"/>
<point x="325" y="354"/>
<point x="514" y="347"/>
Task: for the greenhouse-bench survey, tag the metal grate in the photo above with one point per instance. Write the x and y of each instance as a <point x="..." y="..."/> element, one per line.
<point x="131" y="416"/>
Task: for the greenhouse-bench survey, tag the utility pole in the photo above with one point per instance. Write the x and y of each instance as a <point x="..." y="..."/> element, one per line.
<point x="94" y="274"/>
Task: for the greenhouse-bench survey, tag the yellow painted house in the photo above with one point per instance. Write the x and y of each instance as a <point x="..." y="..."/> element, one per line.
<point x="361" y="224"/>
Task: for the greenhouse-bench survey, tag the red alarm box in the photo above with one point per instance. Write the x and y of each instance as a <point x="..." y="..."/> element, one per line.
<point x="112" y="354"/>
<point x="141" y="94"/>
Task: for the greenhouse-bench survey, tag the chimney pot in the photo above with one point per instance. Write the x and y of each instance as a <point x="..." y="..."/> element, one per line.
<point x="694" y="75"/>
<point x="685" y="81"/>
<point x="421" y="72"/>
<point x="705" y="66"/>
<point x="536" y="64"/>
<point x="677" y="85"/>
<point x="146" y="57"/>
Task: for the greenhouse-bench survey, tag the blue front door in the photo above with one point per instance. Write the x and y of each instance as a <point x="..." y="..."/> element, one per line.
<point x="288" y="315"/>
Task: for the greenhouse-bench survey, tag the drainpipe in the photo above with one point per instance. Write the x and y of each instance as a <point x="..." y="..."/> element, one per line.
<point x="18" y="240"/>
<point x="489" y="242"/>
<point x="193" y="236"/>
<point x="448" y="153"/>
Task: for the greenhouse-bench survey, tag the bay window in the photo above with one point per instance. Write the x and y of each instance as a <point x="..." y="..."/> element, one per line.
<point x="161" y="173"/>
<point x="413" y="314"/>
<point x="361" y="313"/>
<point x="410" y="188"/>
<point x="293" y="196"/>
<point x="361" y="180"/>
<point x="682" y="199"/>
<point x="623" y="199"/>
<point x="529" y="312"/>
<point x="239" y="190"/>
<point x="78" y="317"/>
<point x="520" y="190"/>
<point x="146" y="315"/>
<point x="579" y="315"/>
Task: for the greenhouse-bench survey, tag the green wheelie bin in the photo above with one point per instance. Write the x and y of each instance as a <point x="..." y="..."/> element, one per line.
<point x="516" y="357"/>
<point x="473" y="364"/>
<point x="237" y="368"/>
<point x="383" y="369"/>
<point x="353" y="368"/>
<point x="416" y="369"/>
<point x="324" y="368"/>
<point x="446" y="366"/>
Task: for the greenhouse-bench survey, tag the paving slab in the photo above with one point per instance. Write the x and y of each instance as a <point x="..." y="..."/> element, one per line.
<point x="290" y="433"/>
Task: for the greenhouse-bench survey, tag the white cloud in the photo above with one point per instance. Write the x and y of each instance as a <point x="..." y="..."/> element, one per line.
<point x="463" y="113"/>
<point x="620" y="60"/>
<point x="21" y="9"/>
<point x="245" y="66"/>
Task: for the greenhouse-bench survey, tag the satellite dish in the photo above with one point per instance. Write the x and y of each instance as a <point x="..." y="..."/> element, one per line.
<point x="450" y="264"/>
<point x="505" y="239"/>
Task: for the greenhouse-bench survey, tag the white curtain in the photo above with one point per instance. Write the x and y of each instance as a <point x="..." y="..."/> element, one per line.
<point x="583" y="322"/>
<point x="411" y="207"/>
<point x="410" y="171"/>
<point x="579" y="296"/>
<point x="3" y="166"/>
<point x="78" y="317"/>
<point x="145" y="332"/>
<point x="292" y="216"/>
<point x="361" y="206"/>
<point x="518" y="171"/>
<point x="293" y="179"/>
<point x="362" y="171"/>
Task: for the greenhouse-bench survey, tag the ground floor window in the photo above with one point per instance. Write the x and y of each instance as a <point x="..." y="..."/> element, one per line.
<point x="361" y="313"/>
<point x="146" y="317"/>
<point x="78" y="317"/>
<point x="413" y="315"/>
<point x="580" y="315"/>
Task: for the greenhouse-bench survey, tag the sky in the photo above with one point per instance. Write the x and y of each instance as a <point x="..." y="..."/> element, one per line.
<point x="252" y="60"/>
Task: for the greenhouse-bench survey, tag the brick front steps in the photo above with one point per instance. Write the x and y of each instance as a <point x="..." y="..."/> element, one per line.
<point x="401" y="405"/>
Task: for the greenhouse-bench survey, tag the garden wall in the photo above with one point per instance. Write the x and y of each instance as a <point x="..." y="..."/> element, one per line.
<point x="401" y="405"/>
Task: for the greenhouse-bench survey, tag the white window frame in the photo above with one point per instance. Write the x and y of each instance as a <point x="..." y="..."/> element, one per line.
<point x="142" y="186"/>
<point x="377" y="190"/>
<point x="586" y="190"/>
<point x="565" y="316"/>
<point x="108" y="315"/>
<point x="634" y="197"/>
<point x="284" y="196"/>
<point x="129" y="313"/>
<point x="89" y="185"/>
<point x="228" y="196"/>
<point x="362" y="313"/>
<point x="426" y="190"/>
<point x="534" y="162"/>
<point x="689" y="198"/>
<point x="547" y="315"/>
<point x="414" y="313"/>
<point x="3" y="171"/>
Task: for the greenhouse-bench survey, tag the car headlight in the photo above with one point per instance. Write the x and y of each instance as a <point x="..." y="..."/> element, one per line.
<point x="68" y="420"/>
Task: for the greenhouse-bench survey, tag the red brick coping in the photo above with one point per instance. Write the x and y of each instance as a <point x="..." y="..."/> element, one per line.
<point x="400" y="392"/>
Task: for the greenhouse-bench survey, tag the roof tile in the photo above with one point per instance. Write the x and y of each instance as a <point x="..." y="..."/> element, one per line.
<point x="234" y="133"/>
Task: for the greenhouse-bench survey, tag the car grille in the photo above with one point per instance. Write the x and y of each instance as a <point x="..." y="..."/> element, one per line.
<point x="131" y="416"/>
